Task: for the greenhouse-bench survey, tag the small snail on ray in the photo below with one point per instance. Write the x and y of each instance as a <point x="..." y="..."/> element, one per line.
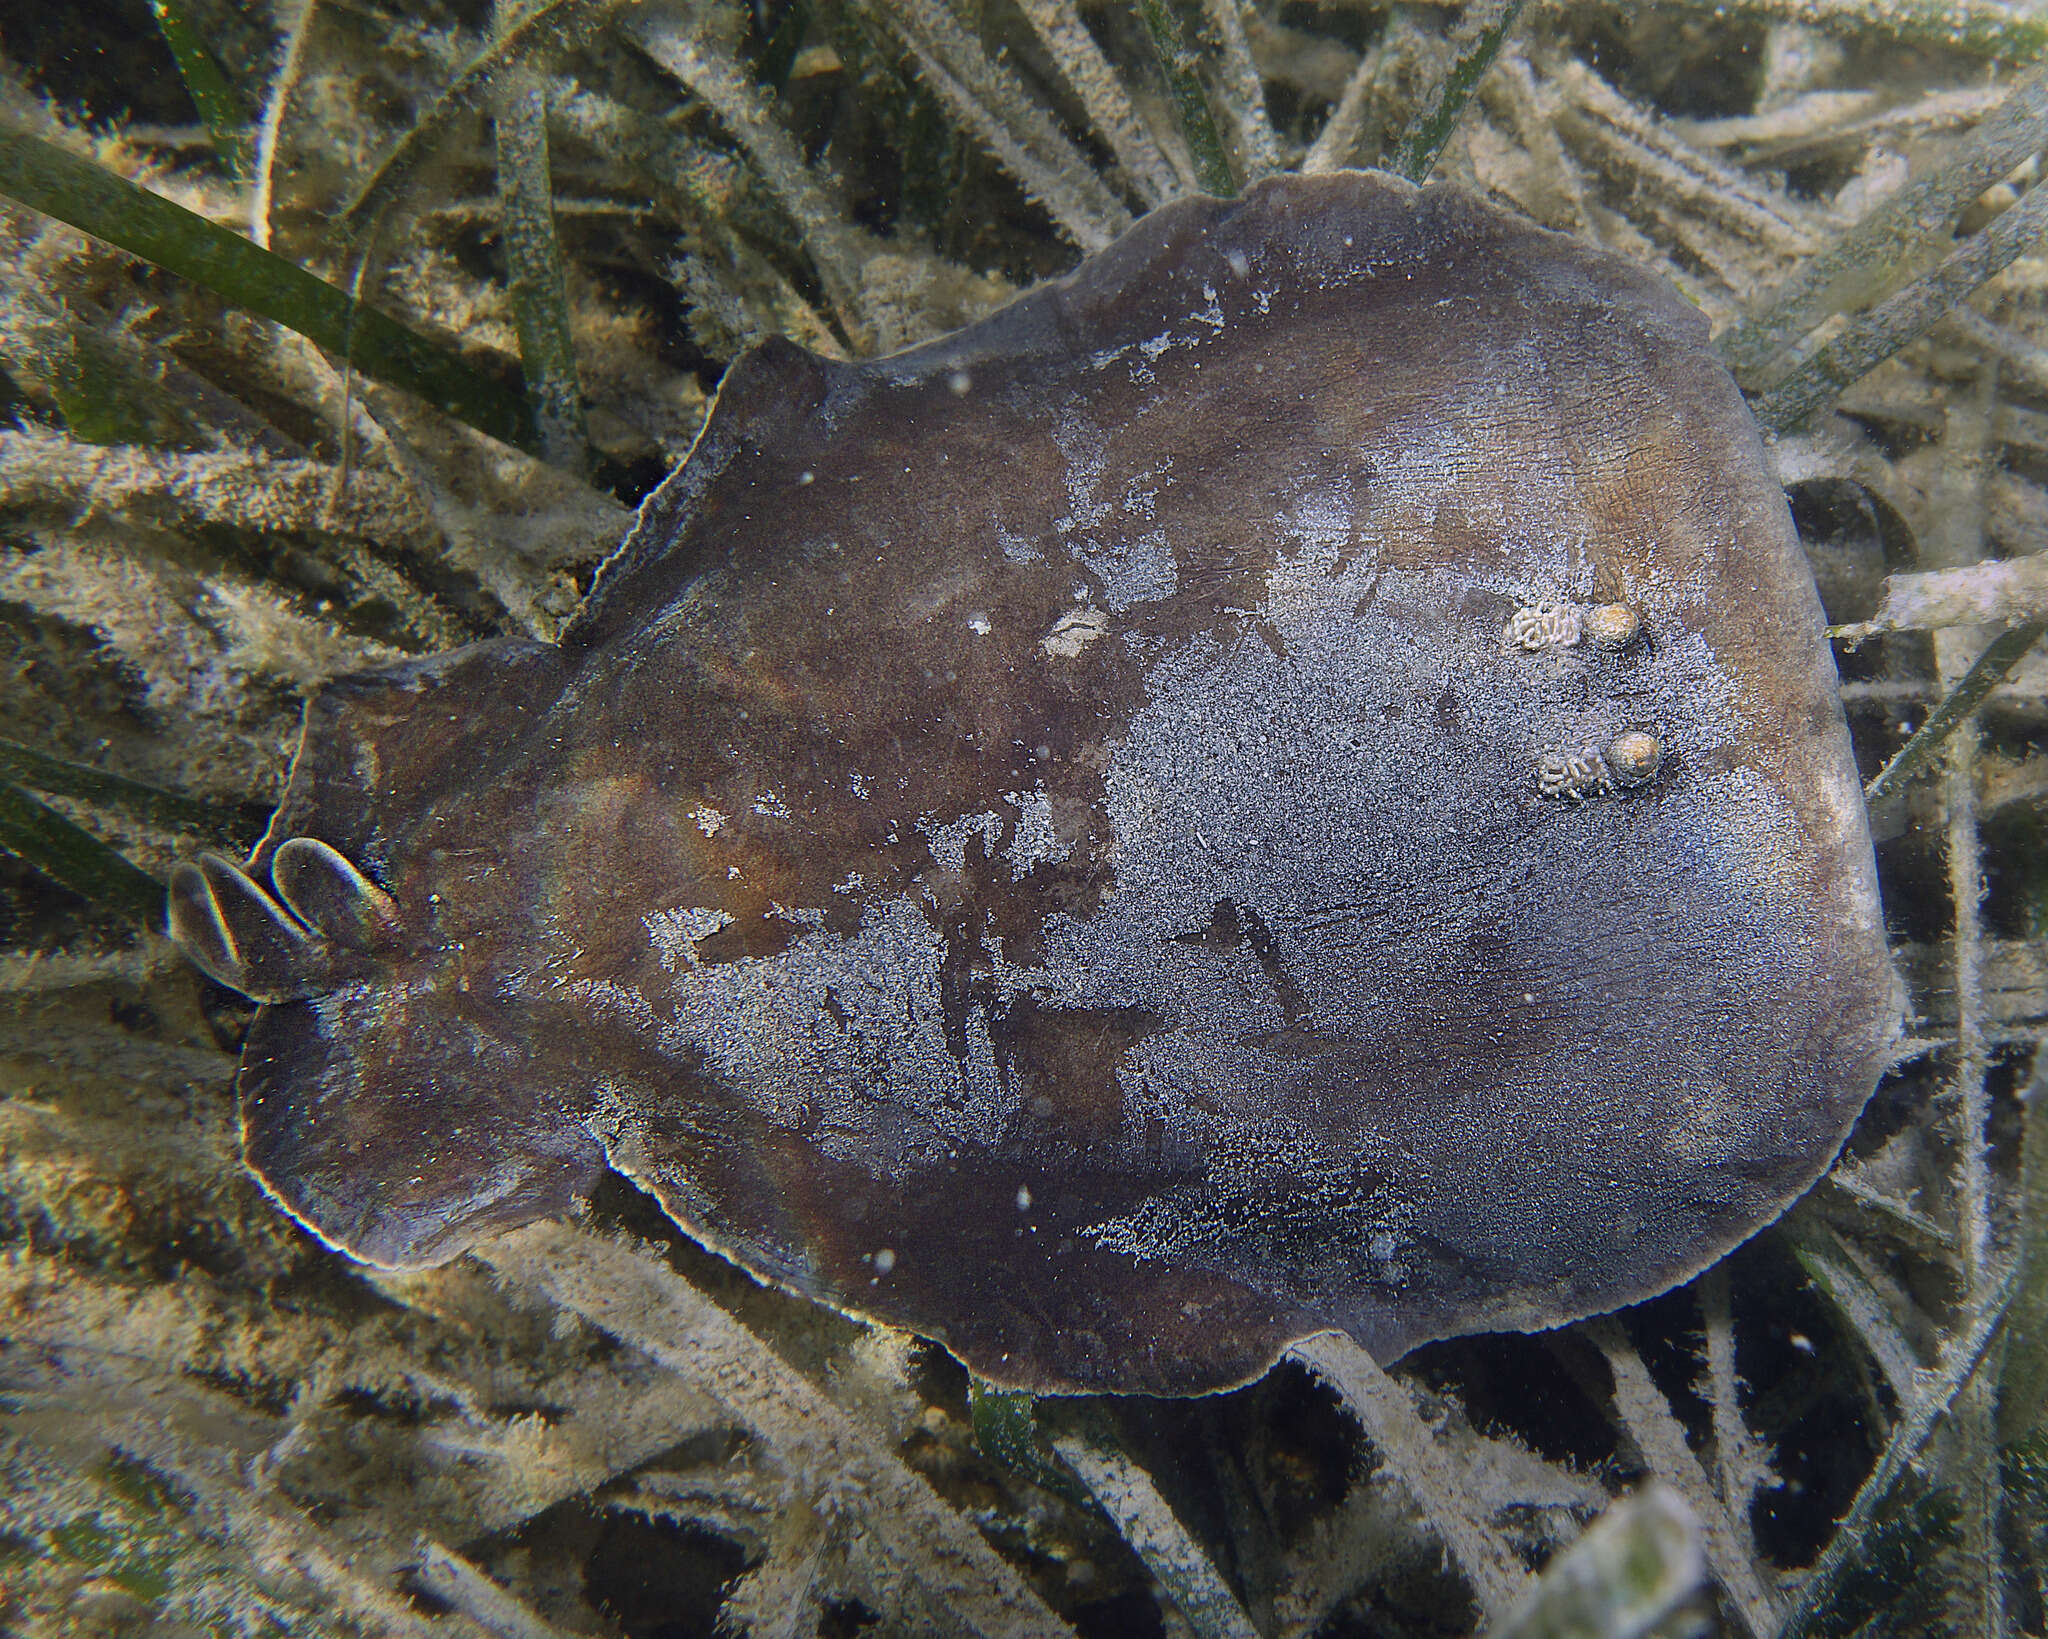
<point x="1128" y="936"/>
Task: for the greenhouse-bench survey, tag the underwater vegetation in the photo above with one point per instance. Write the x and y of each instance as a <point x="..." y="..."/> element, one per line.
<point x="340" y="334"/>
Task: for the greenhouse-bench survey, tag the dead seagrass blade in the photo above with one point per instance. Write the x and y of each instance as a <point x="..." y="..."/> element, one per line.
<point x="1288" y="780"/>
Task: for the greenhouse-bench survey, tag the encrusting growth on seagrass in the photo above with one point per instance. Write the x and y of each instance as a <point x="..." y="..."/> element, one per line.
<point x="1132" y="939"/>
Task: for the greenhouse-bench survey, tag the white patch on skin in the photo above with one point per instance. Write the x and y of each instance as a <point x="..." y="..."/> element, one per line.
<point x="1036" y="840"/>
<point x="616" y="1003"/>
<point x="1073" y="632"/>
<point x="949" y="842"/>
<point x="1239" y="263"/>
<point x="764" y="1028"/>
<point x="1322" y="529"/>
<point x="1142" y="503"/>
<point x="1760" y="827"/>
<point x="675" y="933"/>
<point x="1016" y="549"/>
<point x="770" y="805"/>
<point x="1132" y="569"/>
<point x="709" y="820"/>
<point x="1085" y="449"/>
<point x="979" y="625"/>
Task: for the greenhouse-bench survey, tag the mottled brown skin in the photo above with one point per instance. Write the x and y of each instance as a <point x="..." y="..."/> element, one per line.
<point x="1037" y="839"/>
